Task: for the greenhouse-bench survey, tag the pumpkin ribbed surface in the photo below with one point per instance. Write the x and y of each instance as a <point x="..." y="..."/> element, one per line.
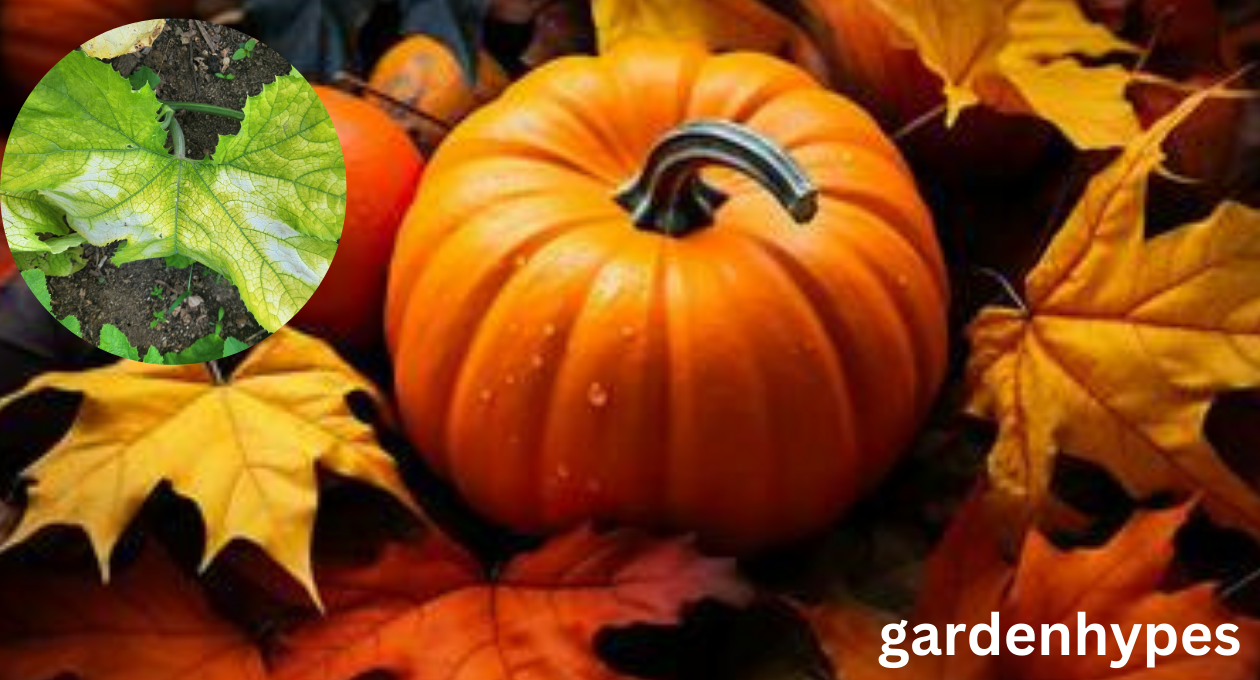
<point x="746" y="381"/>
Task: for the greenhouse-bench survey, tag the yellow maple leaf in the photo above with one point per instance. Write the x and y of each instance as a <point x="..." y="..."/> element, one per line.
<point x="244" y="451"/>
<point x="1123" y="343"/>
<point x="1022" y="56"/>
<point x="719" y="24"/>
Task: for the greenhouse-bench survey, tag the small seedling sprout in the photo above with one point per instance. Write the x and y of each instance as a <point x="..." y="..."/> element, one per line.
<point x="246" y="50"/>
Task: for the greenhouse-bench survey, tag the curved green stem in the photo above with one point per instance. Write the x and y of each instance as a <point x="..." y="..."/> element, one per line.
<point x="177" y="136"/>
<point x="206" y="108"/>
<point x="669" y="197"/>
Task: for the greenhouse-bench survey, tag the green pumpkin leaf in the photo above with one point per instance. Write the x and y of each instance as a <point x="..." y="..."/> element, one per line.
<point x="39" y="286"/>
<point x="204" y="349"/>
<point x="72" y="322"/>
<point x="26" y="215"/>
<point x="142" y="76"/>
<point x="178" y="261"/>
<point x="266" y="209"/>
<point x="153" y="356"/>
<point x="115" y="341"/>
<point x="59" y="264"/>
<point x="232" y="346"/>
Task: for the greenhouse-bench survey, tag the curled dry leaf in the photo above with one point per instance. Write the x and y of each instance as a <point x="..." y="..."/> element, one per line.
<point x="124" y="39"/>
<point x="1118" y="584"/>
<point x="1123" y="342"/>
<point x="422" y="612"/>
<point x="1023" y="56"/>
<point x="151" y="623"/>
<point x="245" y="452"/>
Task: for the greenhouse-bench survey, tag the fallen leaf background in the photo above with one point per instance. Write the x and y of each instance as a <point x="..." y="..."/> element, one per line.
<point x="1015" y="174"/>
<point x="1118" y="583"/>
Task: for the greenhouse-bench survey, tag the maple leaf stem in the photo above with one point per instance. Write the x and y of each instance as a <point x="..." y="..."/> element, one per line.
<point x="1006" y="287"/>
<point x="914" y="125"/>
<point x="1237" y="586"/>
<point x="1161" y="22"/>
<point x="216" y="372"/>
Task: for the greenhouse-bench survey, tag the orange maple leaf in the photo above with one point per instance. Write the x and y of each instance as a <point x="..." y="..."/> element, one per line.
<point x="423" y="612"/>
<point x="150" y="623"/>
<point x="1118" y="583"/>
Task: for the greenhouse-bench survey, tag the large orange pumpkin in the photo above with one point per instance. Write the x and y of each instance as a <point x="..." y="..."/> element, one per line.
<point x="590" y="320"/>
<point x="382" y="169"/>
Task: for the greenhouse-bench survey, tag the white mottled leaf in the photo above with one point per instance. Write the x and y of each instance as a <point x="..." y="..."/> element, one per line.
<point x="266" y="209"/>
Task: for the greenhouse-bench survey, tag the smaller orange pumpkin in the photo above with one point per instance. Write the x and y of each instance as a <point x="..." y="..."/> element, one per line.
<point x="35" y="35"/>
<point x="382" y="169"/>
<point x="423" y="74"/>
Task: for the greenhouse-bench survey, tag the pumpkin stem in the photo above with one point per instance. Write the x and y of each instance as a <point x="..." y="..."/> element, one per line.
<point x="670" y="198"/>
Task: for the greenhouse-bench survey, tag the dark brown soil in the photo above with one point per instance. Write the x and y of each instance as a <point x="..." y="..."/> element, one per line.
<point x="184" y="79"/>
<point x="122" y="296"/>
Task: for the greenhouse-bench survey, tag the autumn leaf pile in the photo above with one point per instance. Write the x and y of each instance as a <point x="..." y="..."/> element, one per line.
<point x="1094" y="451"/>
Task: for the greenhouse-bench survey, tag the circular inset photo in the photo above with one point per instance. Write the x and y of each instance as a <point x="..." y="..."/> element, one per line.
<point x="173" y="191"/>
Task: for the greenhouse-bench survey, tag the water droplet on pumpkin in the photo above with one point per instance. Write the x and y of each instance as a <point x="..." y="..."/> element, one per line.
<point x="536" y="361"/>
<point x="485" y="395"/>
<point x="549" y="330"/>
<point x="627" y="332"/>
<point x="597" y="395"/>
<point x="903" y="281"/>
<point x="562" y="472"/>
<point x="509" y="379"/>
